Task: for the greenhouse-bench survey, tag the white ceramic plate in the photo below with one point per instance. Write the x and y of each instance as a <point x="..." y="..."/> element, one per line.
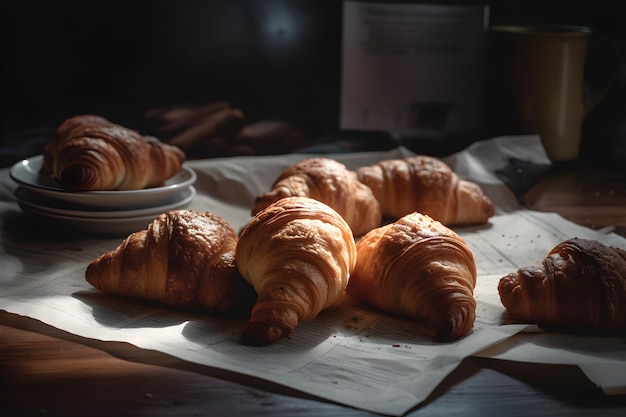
<point x="26" y="173"/>
<point x="31" y="201"/>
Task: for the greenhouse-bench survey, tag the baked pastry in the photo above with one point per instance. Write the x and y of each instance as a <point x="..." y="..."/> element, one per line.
<point x="89" y="153"/>
<point x="298" y="254"/>
<point x="184" y="259"/>
<point x="427" y="185"/>
<point x="580" y="286"/>
<point x="418" y="268"/>
<point x="205" y="131"/>
<point x="332" y="183"/>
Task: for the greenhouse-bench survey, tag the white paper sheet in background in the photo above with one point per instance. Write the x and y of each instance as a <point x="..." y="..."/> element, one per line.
<point x="416" y="70"/>
<point x="348" y="354"/>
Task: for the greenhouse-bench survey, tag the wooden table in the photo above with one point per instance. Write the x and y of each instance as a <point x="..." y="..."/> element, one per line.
<point x="589" y="196"/>
<point x="48" y="372"/>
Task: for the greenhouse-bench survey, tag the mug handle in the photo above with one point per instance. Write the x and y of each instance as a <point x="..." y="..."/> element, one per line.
<point x="600" y="95"/>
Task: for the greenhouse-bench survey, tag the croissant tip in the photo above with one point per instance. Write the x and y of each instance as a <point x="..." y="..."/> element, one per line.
<point x="262" y="334"/>
<point x="489" y="207"/>
<point x="456" y="325"/>
<point x="91" y="276"/>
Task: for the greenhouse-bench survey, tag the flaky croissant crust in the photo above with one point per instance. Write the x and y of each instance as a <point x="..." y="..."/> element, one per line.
<point x="298" y="254"/>
<point x="427" y="185"/>
<point x="89" y="153"/>
<point x="184" y="259"/>
<point x="579" y="286"/>
<point x="330" y="182"/>
<point x="418" y="268"/>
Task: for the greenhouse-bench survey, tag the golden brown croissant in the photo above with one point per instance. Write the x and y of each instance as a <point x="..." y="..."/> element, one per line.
<point x="184" y="259"/>
<point x="89" y="153"/>
<point x="580" y="286"/>
<point x="298" y="254"/>
<point x="418" y="268"/>
<point x="330" y="182"/>
<point x="427" y="185"/>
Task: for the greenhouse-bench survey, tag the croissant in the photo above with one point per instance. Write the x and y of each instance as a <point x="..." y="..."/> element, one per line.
<point x="184" y="259"/>
<point x="418" y="268"/>
<point x="580" y="286"/>
<point x="89" y="153"/>
<point x="298" y="254"/>
<point x="332" y="183"/>
<point x="427" y="185"/>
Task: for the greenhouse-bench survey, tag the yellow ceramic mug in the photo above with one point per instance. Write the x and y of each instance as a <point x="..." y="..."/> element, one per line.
<point x="544" y="68"/>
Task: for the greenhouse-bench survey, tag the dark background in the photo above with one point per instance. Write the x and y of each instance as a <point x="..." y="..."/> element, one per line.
<point x="275" y="59"/>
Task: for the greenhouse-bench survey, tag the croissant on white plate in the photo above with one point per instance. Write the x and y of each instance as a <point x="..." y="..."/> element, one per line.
<point x="418" y="268"/>
<point x="427" y="185"/>
<point x="184" y="259"/>
<point x="89" y="153"/>
<point x="332" y="183"/>
<point x="298" y="254"/>
<point x="580" y="286"/>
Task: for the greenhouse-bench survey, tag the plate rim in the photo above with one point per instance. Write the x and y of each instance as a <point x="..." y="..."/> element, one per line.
<point x="14" y="173"/>
<point x="107" y="214"/>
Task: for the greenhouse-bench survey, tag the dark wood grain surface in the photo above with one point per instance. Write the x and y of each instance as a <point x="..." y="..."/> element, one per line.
<point x="48" y="372"/>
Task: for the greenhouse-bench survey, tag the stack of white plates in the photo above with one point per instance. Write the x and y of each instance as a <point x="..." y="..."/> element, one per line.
<point x="113" y="213"/>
